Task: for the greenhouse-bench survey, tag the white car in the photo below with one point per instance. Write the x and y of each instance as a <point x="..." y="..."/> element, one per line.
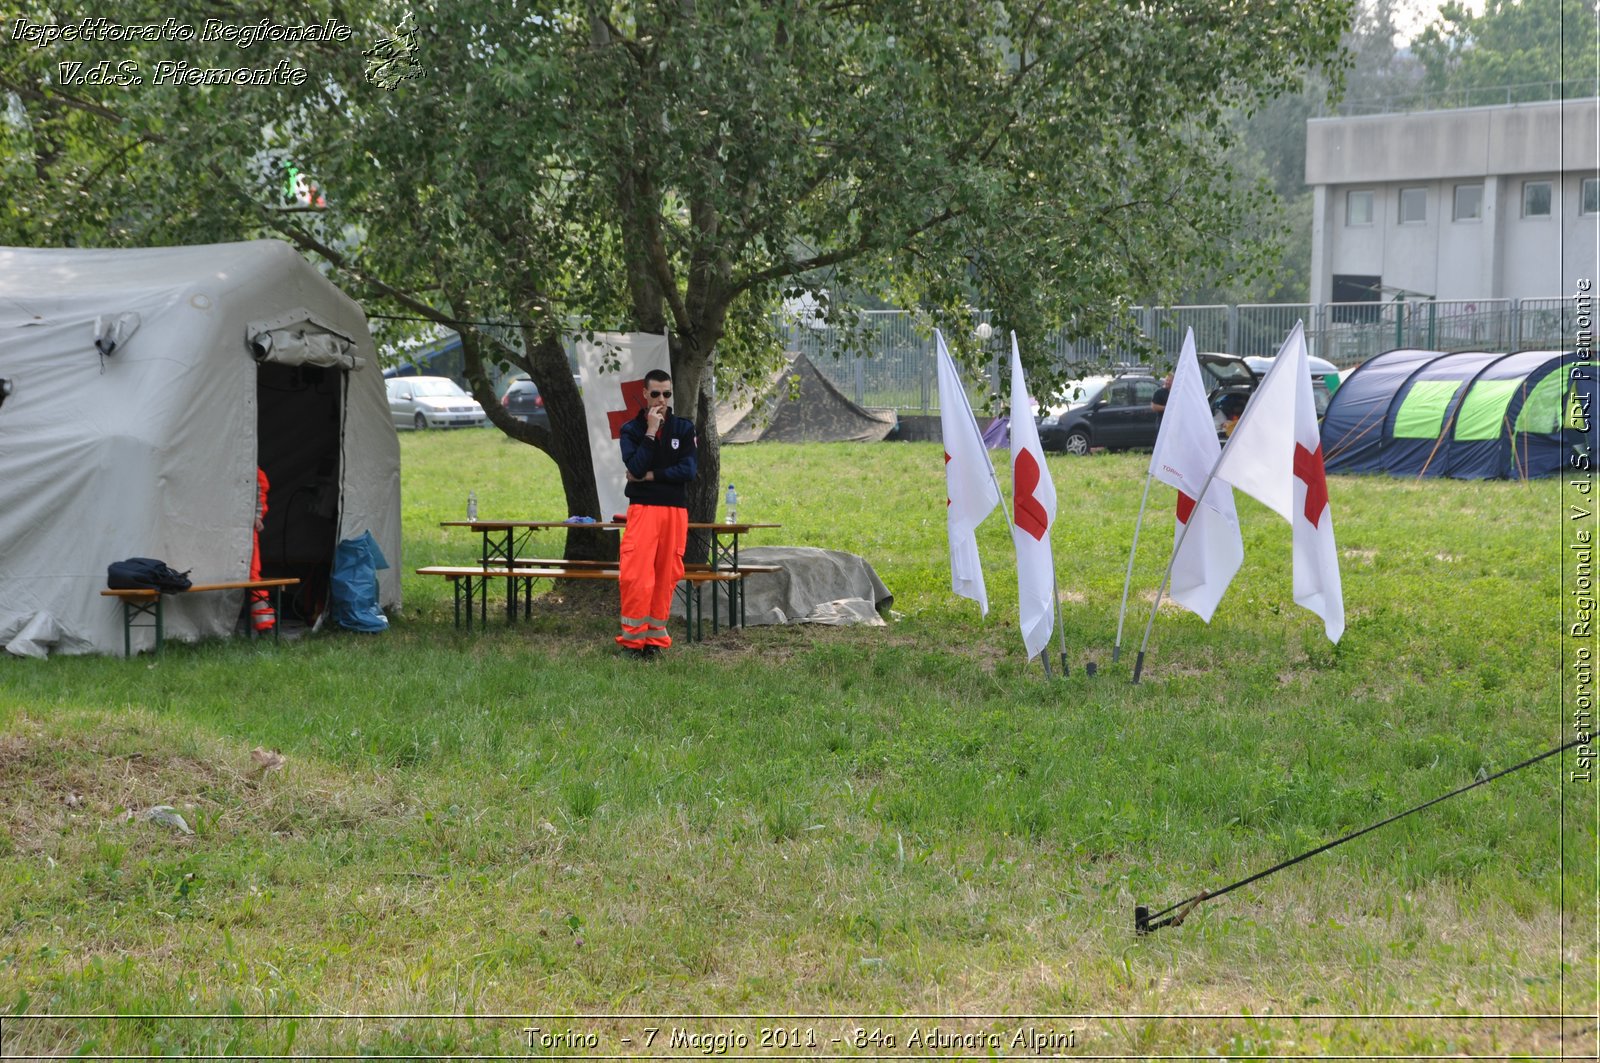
<point x="431" y="402"/>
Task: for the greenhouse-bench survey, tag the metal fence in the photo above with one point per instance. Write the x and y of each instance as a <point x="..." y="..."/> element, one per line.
<point x="1457" y="98"/>
<point x="888" y="359"/>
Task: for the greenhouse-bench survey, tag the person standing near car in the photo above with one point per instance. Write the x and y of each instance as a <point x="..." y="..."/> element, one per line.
<point x="1158" y="401"/>
<point x="659" y="452"/>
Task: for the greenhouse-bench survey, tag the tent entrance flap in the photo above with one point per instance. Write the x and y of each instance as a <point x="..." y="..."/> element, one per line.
<point x="298" y="439"/>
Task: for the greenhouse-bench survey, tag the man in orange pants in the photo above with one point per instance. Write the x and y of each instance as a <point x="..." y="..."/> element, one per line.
<point x="262" y="618"/>
<point x="659" y="452"/>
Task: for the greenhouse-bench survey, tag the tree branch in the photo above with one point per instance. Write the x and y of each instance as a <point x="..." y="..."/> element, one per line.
<point x="843" y="254"/>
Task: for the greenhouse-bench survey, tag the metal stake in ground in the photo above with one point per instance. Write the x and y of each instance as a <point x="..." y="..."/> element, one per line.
<point x="1145" y="923"/>
<point x="1127" y="581"/>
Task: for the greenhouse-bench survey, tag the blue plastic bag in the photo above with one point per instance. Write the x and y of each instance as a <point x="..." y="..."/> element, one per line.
<point x="353" y="590"/>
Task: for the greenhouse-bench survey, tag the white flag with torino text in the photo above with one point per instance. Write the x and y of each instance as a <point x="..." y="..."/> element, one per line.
<point x="1033" y="511"/>
<point x="1211" y="550"/>
<point x="1275" y="455"/>
<point x="970" y="489"/>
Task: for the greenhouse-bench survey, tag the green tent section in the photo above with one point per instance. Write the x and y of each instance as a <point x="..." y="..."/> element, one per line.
<point x="1463" y="414"/>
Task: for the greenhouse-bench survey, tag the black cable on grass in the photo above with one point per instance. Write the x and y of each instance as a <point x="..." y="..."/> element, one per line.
<point x="1145" y="923"/>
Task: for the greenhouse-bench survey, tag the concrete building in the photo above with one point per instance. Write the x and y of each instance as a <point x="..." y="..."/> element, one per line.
<point x="1480" y="203"/>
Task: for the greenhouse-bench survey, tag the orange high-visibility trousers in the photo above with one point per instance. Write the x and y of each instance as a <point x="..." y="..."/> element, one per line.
<point x="262" y="618"/>
<point x="651" y="566"/>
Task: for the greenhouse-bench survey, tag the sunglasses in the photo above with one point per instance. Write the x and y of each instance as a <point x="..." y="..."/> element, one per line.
<point x="661" y="394"/>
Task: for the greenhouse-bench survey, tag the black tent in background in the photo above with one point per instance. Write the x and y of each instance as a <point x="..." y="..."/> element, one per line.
<point x="800" y="405"/>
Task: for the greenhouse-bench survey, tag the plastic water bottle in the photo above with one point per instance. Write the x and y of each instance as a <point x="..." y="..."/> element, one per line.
<point x="472" y="505"/>
<point x="732" y="516"/>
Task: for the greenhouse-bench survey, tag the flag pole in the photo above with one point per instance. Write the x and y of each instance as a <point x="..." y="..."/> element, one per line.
<point x="1138" y="662"/>
<point x="1061" y="635"/>
<point x="1116" y="650"/>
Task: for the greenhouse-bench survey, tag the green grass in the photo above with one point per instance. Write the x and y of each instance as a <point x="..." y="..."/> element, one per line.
<point x="875" y="821"/>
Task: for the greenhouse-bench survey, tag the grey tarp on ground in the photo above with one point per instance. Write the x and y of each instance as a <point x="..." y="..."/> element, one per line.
<point x="800" y="405"/>
<point x="150" y="450"/>
<point x="814" y="586"/>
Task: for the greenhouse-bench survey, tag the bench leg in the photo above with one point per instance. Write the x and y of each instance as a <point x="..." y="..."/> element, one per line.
<point x="127" y="628"/>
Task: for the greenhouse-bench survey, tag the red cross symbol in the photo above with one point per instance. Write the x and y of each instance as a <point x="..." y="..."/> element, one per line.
<point x="1308" y="467"/>
<point x="1029" y="512"/>
<point x="1185" y="508"/>
<point x="632" y="392"/>
<point x="947" y="462"/>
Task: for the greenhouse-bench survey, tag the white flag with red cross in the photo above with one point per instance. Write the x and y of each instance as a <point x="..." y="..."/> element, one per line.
<point x="611" y="369"/>
<point x="1211" y="550"/>
<point x="1275" y="455"/>
<point x="1033" y="511"/>
<point x="970" y="489"/>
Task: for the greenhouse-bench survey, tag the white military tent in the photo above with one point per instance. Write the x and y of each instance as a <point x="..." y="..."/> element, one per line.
<point x="147" y="385"/>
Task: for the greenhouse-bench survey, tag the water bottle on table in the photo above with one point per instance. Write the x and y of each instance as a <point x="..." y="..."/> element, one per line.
<point x="472" y="505"/>
<point x="732" y="516"/>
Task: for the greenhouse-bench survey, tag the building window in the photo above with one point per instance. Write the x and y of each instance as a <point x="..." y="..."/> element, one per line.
<point x="1413" y="205"/>
<point x="1469" y="203"/>
<point x="1536" y="199"/>
<point x="1591" y="195"/>
<point x="1358" y="208"/>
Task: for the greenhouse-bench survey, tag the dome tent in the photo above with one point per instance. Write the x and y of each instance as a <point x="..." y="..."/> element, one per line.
<point x="1469" y="415"/>
<point x="150" y="383"/>
<point x="800" y="405"/>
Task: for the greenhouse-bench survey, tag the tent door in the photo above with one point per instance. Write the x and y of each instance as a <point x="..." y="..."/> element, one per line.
<point x="298" y="441"/>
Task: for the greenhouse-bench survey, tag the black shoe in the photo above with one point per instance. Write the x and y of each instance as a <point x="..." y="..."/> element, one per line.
<point x="652" y="652"/>
<point x="633" y="653"/>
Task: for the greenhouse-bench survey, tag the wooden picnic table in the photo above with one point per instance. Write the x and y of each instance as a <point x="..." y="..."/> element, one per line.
<point x="504" y="540"/>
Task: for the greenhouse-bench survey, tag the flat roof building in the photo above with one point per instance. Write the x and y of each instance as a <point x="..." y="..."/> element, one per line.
<point x="1479" y="203"/>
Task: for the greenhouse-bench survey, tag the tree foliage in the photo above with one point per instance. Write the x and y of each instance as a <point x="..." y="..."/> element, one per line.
<point x="1510" y="43"/>
<point x="680" y="165"/>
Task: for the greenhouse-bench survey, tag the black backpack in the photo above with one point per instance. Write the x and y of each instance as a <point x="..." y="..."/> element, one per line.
<point x="145" y="573"/>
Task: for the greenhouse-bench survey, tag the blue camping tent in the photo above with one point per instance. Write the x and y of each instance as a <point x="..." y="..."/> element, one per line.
<point x="1470" y="415"/>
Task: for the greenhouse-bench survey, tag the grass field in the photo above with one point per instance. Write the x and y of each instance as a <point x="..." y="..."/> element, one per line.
<point x="880" y="825"/>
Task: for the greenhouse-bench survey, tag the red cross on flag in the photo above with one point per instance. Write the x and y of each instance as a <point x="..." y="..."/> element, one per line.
<point x="1276" y="455"/>
<point x="970" y="489"/>
<point x="1186" y="449"/>
<point x="611" y="369"/>
<point x="1033" y="511"/>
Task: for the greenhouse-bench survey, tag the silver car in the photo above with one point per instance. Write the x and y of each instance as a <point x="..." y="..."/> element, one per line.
<point x="431" y="402"/>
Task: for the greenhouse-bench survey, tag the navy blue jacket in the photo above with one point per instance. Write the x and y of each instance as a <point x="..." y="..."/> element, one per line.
<point x="671" y="458"/>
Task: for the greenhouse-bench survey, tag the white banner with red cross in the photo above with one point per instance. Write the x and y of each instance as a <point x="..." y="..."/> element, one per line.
<point x="611" y="369"/>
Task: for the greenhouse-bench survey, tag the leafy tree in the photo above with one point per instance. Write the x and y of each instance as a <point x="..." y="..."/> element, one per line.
<point x="678" y="165"/>
<point x="1272" y="150"/>
<point x="1511" y="43"/>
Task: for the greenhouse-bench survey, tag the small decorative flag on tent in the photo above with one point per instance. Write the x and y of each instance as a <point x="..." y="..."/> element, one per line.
<point x="1033" y="511"/>
<point x="970" y="489"/>
<point x="1186" y="449"/>
<point x="611" y="368"/>
<point x="1275" y="455"/>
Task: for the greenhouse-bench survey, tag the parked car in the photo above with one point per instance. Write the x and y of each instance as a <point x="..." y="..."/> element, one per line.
<point x="1115" y="412"/>
<point x="523" y="401"/>
<point x="431" y="402"/>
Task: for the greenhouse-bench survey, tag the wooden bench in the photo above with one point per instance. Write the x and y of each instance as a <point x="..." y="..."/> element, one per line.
<point x="146" y="601"/>
<point x="471" y="583"/>
<point x="690" y="571"/>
